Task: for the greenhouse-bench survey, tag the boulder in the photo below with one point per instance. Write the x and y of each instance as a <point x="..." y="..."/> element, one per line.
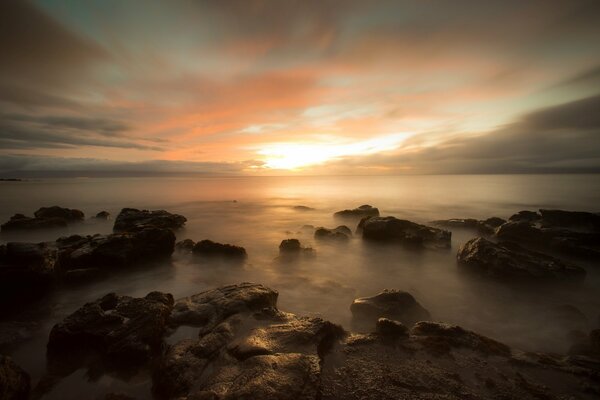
<point x="441" y="337"/>
<point x="340" y="234"/>
<point x="487" y="226"/>
<point x="132" y="219"/>
<point x="26" y="271"/>
<point x="185" y="246"/>
<point x="525" y="216"/>
<point x="579" y="220"/>
<point x="14" y="382"/>
<point x="511" y="262"/>
<point x="117" y="250"/>
<point x="123" y="329"/>
<point x="391" y="304"/>
<point x="68" y="214"/>
<point x="20" y="222"/>
<point x="208" y="248"/>
<point x="103" y="215"/>
<point x="392" y="329"/>
<point x="303" y="208"/>
<point x="360" y="212"/>
<point x="292" y="249"/>
<point x="394" y="230"/>
<point x="210" y="308"/>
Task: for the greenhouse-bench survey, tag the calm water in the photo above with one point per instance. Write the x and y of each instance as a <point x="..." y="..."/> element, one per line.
<point x="258" y="213"/>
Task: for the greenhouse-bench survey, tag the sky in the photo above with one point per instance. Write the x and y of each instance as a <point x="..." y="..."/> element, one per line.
<point x="256" y="87"/>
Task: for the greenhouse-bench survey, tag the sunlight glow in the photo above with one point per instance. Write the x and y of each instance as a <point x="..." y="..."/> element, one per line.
<point x="291" y="156"/>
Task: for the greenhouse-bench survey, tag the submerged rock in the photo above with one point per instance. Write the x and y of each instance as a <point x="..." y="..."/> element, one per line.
<point x="67" y="214"/>
<point x="44" y="218"/>
<point x="340" y="234"/>
<point x="487" y="226"/>
<point x="392" y="304"/>
<point x="579" y="220"/>
<point x="132" y="219"/>
<point x="26" y="272"/>
<point x="574" y="243"/>
<point x="511" y="262"/>
<point x="394" y="230"/>
<point x="303" y="208"/>
<point x="102" y="215"/>
<point x="115" y="251"/>
<point x="185" y="246"/>
<point x="208" y="248"/>
<point x="121" y="328"/>
<point x="360" y="212"/>
<point x="525" y="216"/>
<point x="291" y="249"/>
<point x="14" y="382"/>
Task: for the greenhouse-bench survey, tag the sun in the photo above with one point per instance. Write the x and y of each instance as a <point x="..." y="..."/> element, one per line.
<point x="294" y="156"/>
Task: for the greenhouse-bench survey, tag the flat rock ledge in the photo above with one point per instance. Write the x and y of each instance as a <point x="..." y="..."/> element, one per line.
<point x="246" y="348"/>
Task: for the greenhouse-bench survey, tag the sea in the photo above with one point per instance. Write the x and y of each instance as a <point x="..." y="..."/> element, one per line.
<point x="259" y="212"/>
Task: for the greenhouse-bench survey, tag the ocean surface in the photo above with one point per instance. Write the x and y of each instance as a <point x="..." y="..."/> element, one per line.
<point x="258" y="212"/>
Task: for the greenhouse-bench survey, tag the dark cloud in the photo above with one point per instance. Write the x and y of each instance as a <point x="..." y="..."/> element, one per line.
<point x="21" y="166"/>
<point x="105" y="127"/>
<point x="577" y="115"/>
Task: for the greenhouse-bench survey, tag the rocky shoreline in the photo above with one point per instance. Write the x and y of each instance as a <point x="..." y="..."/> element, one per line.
<point x="246" y="348"/>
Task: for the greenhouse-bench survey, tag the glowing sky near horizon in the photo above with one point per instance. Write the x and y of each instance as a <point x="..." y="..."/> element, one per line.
<point x="257" y="86"/>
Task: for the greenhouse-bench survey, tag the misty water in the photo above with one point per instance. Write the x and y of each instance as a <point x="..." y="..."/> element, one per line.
<point x="258" y="212"/>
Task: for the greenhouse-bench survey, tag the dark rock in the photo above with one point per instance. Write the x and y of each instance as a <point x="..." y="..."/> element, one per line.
<point x="573" y="243"/>
<point x="121" y="328"/>
<point x="509" y="261"/>
<point x="588" y="345"/>
<point x="307" y="228"/>
<point x="525" y="216"/>
<point x="26" y="271"/>
<point x="340" y="234"/>
<point x="390" y="229"/>
<point x="67" y="214"/>
<point x="392" y="304"/>
<point x="132" y="219"/>
<point x="21" y="222"/>
<point x="115" y="251"/>
<point x="118" y="396"/>
<point x="290" y="246"/>
<point x="103" y="215"/>
<point x="570" y="219"/>
<point x="390" y="328"/>
<point x="185" y="246"/>
<point x="210" y="308"/>
<point x="208" y="248"/>
<point x="486" y="227"/>
<point x="442" y="337"/>
<point x="14" y="382"/>
<point x="360" y="212"/>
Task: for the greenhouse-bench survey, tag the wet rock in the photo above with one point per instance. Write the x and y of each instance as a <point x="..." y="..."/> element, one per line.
<point x="118" y="396"/>
<point x="574" y="243"/>
<point x="570" y="219"/>
<point x="123" y="329"/>
<point x="394" y="230"/>
<point x="360" y="212"/>
<point x="68" y="214"/>
<point x="487" y="226"/>
<point x="132" y="219"/>
<point x="115" y="251"/>
<point x="208" y="248"/>
<point x="525" y="216"/>
<point x="511" y="262"/>
<point x="210" y="308"/>
<point x="103" y="215"/>
<point x="292" y="249"/>
<point x="340" y="234"/>
<point x="185" y="246"/>
<point x="26" y="272"/>
<point x="14" y="382"/>
<point x="392" y="329"/>
<point x="20" y="222"/>
<point x="442" y="337"/>
<point x="391" y="304"/>
<point x="247" y="349"/>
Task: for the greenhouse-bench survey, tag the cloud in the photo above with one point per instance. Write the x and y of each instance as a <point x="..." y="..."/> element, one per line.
<point x="21" y="166"/>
